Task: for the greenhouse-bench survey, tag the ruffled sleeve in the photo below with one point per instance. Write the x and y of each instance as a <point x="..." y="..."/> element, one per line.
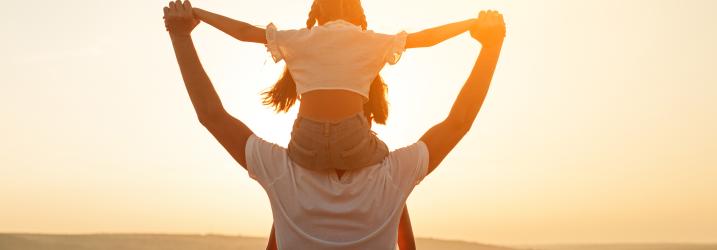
<point x="396" y="48"/>
<point x="272" y="43"/>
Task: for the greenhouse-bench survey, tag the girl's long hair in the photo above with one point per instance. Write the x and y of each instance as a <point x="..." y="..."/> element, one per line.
<point x="282" y="96"/>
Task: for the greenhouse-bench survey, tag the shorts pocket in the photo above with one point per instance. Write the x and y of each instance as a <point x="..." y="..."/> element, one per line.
<point x="361" y="146"/>
<point x="306" y="158"/>
<point x="360" y="155"/>
<point x="368" y="152"/>
<point x="301" y="150"/>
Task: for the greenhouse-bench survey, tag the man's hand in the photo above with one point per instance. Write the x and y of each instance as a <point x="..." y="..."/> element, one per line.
<point x="179" y="18"/>
<point x="489" y="30"/>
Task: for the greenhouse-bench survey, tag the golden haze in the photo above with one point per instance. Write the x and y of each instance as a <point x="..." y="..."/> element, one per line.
<point x="599" y="126"/>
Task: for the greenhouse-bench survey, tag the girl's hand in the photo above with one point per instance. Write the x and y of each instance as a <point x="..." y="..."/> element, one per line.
<point x="179" y="18"/>
<point x="489" y="29"/>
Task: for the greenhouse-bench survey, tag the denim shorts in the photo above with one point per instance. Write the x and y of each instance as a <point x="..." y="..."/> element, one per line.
<point x="344" y="145"/>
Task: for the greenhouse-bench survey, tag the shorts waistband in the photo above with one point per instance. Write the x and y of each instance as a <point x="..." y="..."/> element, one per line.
<point x="354" y="120"/>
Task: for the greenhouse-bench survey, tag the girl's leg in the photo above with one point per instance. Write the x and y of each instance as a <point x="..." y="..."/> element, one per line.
<point x="406" y="241"/>
<point x="272" y="240"/>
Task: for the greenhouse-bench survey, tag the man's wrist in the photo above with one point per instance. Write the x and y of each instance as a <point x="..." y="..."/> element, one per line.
<point x="495" y="45"/>
<point x="179" y="36"/>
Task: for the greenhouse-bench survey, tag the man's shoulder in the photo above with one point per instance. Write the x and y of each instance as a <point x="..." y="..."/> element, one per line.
<point x="266" y="161"/>
<point x="259" y="143"/>
<point x="408" y="165"/>
<point x="408" y="156"/>
<point x="416" y="149"/>
<point x="259" y="150"/>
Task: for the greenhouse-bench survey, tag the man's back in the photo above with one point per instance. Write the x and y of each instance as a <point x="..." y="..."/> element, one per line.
<point x="319" y="210"/>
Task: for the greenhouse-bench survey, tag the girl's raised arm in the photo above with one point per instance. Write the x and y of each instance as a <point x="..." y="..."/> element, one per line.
<point x="436" y="35"/>
<point x="240" y="30"/>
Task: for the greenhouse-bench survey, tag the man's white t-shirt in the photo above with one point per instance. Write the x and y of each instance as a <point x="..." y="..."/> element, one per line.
<point x="318" y="210"/>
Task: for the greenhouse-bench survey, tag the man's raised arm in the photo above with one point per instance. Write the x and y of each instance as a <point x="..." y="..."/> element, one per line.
<point x="443" y="137"/>
<point x="230" y="132"/>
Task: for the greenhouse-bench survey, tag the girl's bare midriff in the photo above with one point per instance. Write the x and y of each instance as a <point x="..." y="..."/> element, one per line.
<point x="330" y="105"/>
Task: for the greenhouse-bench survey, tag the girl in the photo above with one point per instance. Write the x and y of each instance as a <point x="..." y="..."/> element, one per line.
<point x="334" y="69"/>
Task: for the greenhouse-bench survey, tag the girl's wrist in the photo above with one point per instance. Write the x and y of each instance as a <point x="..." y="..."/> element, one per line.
<point x="197" y="12"/>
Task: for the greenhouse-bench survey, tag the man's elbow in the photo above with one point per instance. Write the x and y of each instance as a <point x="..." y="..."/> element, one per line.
<point x="211" y="119"/>
<point x="460" y="125"/>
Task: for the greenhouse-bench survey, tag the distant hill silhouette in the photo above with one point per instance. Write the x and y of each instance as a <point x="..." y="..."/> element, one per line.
<point x="221" y="242"/>
<point x="178" y="242"/>
<point x="635" y="246"/>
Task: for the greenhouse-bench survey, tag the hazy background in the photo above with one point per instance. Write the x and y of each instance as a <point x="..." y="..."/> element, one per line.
<point x="599" y="125"/>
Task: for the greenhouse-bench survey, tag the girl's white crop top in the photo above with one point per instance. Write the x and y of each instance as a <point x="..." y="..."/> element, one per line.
<point x="336" y="55"/>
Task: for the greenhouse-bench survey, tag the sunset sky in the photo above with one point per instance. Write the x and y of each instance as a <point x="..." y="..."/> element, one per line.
<point x="600" y="125"/>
